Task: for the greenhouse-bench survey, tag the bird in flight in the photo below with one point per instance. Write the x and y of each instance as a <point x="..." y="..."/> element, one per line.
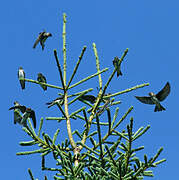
<point x="156" y="98"/>
<point x="26" y="113"/>
<point x="42" y="38"/>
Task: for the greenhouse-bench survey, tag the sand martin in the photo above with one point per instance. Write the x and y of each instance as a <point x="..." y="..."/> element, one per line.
<point x="58" y="100"/>
<point x="26" y="113"/>
<point x="117" y="65"/>
<point x="90" y="98"/>
<point x="41" y="78"/>
<point x="21" y="76"/>
<point x="156" y="98"/>
<point x="42" y="38"/>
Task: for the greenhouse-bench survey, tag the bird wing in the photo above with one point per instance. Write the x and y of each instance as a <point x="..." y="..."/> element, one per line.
<point x="164" y="92"/>
<point x="17" y="117"/>
<point x="42" y="79"/>
<point x="145" y="99"/>
<point x="36" y="42"/>
<point x="33" y="117"/>
<point x="21" y="108"/>
<point x="22" y="82"/>
<point x="38" y="39"/>
<point x="117" y="66"/>
<point x="54" y="101"/>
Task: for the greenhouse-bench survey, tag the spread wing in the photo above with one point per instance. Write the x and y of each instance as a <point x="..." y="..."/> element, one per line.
<point x="21" y="108"/>
<point x="38" y="39"/>
<point x="145" y="99"/>
<point x="164" y="92"/>
<point x="36" y="42"/>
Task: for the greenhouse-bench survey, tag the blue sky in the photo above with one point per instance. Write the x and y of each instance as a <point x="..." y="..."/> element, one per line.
<point x="148" y="28"/>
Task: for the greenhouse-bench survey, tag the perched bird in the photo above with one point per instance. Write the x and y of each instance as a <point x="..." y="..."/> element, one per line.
<point x="21" y="76"/>
<point x="42" y="38"/>
<point x="106" y="105"/>
<point x="117" y="65"/>
<point x="58" y="100"/>
<point x="156" y="98"/>
<point x="26" y="113"/>
<point x="90" y="98"/>
<point x="41" y="78"/>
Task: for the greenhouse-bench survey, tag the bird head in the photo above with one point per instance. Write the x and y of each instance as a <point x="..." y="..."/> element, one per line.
<point x="39" y="74"/>
<point x="151" y="94"/>
<point x="49" y="34"/>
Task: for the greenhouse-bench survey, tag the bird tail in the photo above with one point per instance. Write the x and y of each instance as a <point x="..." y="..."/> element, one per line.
<point x="119" y="73"/>
<point x="50" y="104"/>
<point x="159" y="108"/>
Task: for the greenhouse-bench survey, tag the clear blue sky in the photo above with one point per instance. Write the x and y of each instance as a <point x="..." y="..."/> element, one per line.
<point x="148" y="28"/>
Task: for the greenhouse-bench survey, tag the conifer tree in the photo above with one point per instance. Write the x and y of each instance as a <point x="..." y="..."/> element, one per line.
<point x="103" y="151"/>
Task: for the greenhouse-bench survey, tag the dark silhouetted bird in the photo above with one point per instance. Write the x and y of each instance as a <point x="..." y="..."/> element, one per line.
<point x="156" y="98"/>
<point x="26" y="113"/>
<point x="90" y="98"/>
<point x="17" y="116"/>
<point x="21" y="76"/>
<point x="41" y="78"/>
<point x="58" y="100"/>
<point x="117" y="65"/>
<point x="42" y="38"/>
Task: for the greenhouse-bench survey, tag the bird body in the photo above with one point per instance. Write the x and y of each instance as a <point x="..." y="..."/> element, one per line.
<point x="41" y="78"/>
<point x="156" y="98"/>
<point x="90" y="98"/>
<point x="117" y="65"/>
<point x="42" y="38"/>
<point x="58" y="100"/>
<point x="21" y="76"/>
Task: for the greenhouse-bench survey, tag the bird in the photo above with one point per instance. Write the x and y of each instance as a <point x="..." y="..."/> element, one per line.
<point x="41" y="78"/>
<point x="103" y="108"/>
<point x="17" y="116"/>
<point x="90" y="98"/>
<point x="21" y="76"/>
<point x="156" y="98"/>
<point x="26" y="113"/>
<point x="42" y="38"/>
<point x="117" y="65"/>
<point x="58" y="100"/>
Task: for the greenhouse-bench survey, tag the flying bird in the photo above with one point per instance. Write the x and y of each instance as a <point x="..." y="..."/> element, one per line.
<point x="42" y="38"/>
<point x="17" y="116"/>
<point x="117" y="65"/>
<point x="156" y="98"/>
<point x="41" y="78"/>
<point x="58" y="100"/>
<point x="26" y="113"/>
<point x="21" y="76"/>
